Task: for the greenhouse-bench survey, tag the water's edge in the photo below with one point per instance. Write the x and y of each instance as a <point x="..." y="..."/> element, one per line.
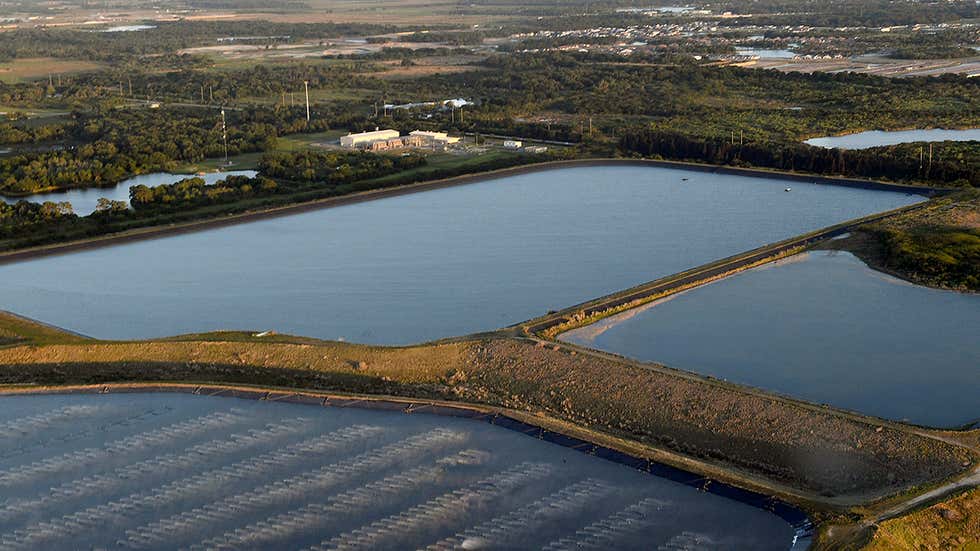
<point x="800" y="522"/>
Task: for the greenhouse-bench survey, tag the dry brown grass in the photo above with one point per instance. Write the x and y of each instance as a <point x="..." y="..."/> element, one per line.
<point x="816" y="451"/>
<point x="34" y="68"/>
<point x="953" y="524"/>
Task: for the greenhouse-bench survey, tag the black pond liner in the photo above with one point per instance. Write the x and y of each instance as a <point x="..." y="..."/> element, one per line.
<point x="795" y="517"/>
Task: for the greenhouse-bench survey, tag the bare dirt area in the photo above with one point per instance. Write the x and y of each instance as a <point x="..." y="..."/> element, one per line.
<point x="816" y="454"/>
<point x="423" y="68"/>
<point x="873" y="66"/>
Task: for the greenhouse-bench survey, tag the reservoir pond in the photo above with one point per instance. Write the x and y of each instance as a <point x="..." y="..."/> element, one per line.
<point x="878" y="138"/>
<point x="429" y="265"/>
<point x="821" y="326"/>
<point x="168" y="471"/>
<point x="84" y="200"/>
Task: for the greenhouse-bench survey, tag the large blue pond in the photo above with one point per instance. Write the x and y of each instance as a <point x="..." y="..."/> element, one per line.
<point x="429" y="265"/>
<point x="820" y="326"/>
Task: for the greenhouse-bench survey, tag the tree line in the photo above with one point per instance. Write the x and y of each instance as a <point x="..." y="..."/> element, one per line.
<point x="891" y="162"/>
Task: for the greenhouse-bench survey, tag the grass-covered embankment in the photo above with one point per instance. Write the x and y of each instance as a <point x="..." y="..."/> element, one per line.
<point x="937" y="246"/>
<point x="952" y="524"/>
<point x="805" y="453"/>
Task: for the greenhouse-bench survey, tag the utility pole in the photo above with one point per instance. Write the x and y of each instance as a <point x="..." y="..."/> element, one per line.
<point x="130" y="87"/>
<point x="224" y="134"/>
<point x="590" y="127"/>
<point x="306" y="86"/>
<point x="741" y="138"/>
<point x="211" y="92"/>
<point x="460" y="114"/>
<point x="930" y="158"/>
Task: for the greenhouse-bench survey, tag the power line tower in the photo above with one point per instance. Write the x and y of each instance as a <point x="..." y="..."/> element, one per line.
<point x="306" y="87"/>
<point x="224" y="134"/>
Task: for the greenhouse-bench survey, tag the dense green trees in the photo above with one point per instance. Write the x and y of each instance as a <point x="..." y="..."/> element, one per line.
<point x="335" y="167"/>
<point x="192" y="192"/>
<point x="25" y="218"/>
<point x="166" y="37"/>
<point x="893" y="162"/>
<point x="116" y="144"/>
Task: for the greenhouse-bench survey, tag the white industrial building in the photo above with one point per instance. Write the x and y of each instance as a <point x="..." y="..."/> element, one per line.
<point x="513" y="144"/>
<point x="365" y="139"/>
<point x="434" y="139"/>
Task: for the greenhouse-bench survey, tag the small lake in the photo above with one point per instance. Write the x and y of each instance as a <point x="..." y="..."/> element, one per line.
<point x="878" y="138"/>
<point x="821" y="326"/>
<point x="429" y="265"/>
<point x="766" y="54"/>
<point x="167" y="471"/>
<point x="84" y="201"/>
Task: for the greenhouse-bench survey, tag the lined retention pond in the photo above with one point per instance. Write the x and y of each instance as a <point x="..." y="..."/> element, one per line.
<point x="821" y="326"/>
<point x="167" y="471"/>
<point x="429" y="265"/>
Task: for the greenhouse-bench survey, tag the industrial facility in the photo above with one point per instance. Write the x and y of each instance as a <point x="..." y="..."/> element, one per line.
<point x="365" y="139"/>
<point x="386" y="140"/>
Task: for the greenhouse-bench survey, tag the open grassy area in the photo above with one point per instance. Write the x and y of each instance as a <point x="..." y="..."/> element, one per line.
<point x="250" y="161"/>
<point x="937" y="246"/>
<point x="952" y="524"/>
<point x="25" y="69"/>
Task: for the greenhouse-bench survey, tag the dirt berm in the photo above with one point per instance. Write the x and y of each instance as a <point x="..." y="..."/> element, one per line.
<point x="816" y="451"/>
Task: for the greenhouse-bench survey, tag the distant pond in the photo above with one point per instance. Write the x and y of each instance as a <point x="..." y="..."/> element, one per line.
<point x="429" y="265"/>
<point x="168" y="471"/>
<point x="84" y="200"/>
<point x="878" y="138"/>
<point x="766" y="53"/>
<point x="821" y="326"/>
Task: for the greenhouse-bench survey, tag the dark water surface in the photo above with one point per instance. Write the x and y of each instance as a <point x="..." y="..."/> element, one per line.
<point x="821" y="326"/>
<point x="429" y="265"/>
<point x="168" y="471"/>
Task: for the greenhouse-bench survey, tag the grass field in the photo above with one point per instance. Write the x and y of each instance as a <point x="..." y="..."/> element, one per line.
<point x="26" y="69"/>
<point x="250" y="161"/>
<point x="937" y="246"/>
<point x="952" y="524"/>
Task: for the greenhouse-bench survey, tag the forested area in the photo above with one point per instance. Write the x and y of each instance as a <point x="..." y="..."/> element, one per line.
<point x="166" y="37"/>
<point x="192" y="192"/>
<point x="112" y="146"/>
<point x="896" y="163"/>
<point x="335" y="167"/>
<point x="194" y="84"/>
<point x="711" y="100"/>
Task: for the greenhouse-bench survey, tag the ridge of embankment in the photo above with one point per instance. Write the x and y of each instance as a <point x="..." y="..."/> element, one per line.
<point x="585" y="313"/>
